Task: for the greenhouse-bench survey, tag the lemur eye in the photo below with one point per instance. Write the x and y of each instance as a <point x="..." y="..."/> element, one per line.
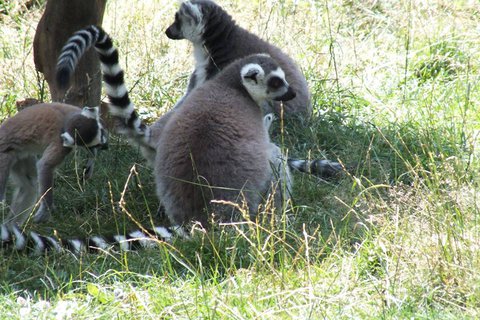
<point x="275" y="82"/>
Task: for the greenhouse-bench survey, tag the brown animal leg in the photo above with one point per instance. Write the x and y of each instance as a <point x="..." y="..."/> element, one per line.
<point x="24" y="180"/>
<point x="6" y="161"/>
<point x="52" y="157"/>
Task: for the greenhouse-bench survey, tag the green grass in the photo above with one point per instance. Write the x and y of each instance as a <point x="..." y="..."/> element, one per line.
<point x="396" y="96"/>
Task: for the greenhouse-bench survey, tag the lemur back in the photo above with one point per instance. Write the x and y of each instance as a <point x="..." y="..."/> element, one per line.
<point x="33" y="143"/>
<point x="218" y="41"/>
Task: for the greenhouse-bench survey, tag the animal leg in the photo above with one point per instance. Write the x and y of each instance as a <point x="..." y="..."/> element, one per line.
<point x="6" y="161"/>
<point x="88" y="169"/>
<point x="24" y="180"/>
<point x="51" y="158"/>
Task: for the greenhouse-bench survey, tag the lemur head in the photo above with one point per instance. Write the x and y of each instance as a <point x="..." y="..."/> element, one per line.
<point x="264" y="80"/>
<point x="85" y="129"/>
<point x="191" y="19"/>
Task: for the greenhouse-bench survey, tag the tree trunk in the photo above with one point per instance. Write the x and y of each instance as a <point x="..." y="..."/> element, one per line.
<point x="59" y="21"/>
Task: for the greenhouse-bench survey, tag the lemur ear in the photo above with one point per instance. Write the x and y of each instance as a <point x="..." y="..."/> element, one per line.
<point x="90" y="112"/>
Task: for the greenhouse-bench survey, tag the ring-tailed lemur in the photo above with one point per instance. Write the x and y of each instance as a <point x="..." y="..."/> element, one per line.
<point x="123" y="109"/>
<point x="33" y="143"/>
<point x="218" y="41"/>
<point x="215" y="146"/>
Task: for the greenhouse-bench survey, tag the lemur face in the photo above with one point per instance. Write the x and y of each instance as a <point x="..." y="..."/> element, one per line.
<point x="265" y="80"/>
<point x="188" y="23"/>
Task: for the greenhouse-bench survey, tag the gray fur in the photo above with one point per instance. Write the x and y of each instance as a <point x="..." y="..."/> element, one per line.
<point x="215" y="145"/>
<point x="218" y="41"/>
<point x="278" y="160"/>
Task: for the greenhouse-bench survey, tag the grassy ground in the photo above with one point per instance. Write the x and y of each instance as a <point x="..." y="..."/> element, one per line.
<point x="396" y="95"/>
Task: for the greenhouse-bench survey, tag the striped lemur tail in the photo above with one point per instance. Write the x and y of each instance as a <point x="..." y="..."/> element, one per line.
<point x="323" y="168"/>
<point x="121" y="106"/>
<point x="14" y="238"/>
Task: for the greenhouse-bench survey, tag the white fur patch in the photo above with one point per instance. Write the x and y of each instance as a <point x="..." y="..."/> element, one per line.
<point x="279" y="73"/>
<point x="163" y="233"/>
<point x="144" y="240"/>
<point x="68" y="140"/>
<point x="110" y="69"/>
<point x="77" y="36"/>
<point x="39" y="245"/>
<point x="106" y="52"/>
<point x="281" y="91"/>
<point x="121" y="112"/>
<point x="195" y="9"/>
<point x="267" y="120"/>
<point x="5" y="235"/>
<point x="55" y="244"/>
<point x="201" y="63"/>
<point x="122" y="242"/>
<point x="116" y="91"/>
<point x="90" y="112"/>
<point x="250" y="68"/>
<point x="256" y="89"/>
<point x="20" y="240"/>
<point x="78" y="245"/>
<point x="99" y="242"/>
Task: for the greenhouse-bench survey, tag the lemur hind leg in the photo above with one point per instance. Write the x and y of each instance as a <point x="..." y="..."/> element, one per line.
<point x="52" y="157"/>
<point x="6" y="162"/>
<point x="24" y="180"/>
